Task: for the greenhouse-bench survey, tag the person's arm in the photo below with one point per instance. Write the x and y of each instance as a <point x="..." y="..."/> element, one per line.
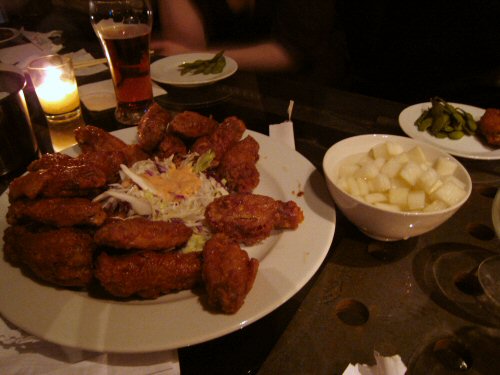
<point x="182" y="32"/>
<point x="181" y="24"/>
<point x="264" y="56"/>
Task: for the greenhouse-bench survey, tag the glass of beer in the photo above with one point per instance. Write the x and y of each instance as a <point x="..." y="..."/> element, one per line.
<point x="124" y="30"/>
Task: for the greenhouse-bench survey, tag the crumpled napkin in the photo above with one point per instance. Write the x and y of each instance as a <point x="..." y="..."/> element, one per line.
<point x="99" y="96"/>
<point x="39" y="44"/>
<point x="23" y="354"/>
<point x="384" y="366"/>
<point x="284" y="131"/>
<point x="43" y="41"/>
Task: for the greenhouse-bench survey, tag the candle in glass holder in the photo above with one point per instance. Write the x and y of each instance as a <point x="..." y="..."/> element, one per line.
<point x="55" y="85"/>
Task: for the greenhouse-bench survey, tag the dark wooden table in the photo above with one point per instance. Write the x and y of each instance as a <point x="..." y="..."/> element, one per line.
<point x="368" y="295"/>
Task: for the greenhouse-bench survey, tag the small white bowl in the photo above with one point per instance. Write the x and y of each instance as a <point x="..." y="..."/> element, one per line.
<point x="378" y="223"/>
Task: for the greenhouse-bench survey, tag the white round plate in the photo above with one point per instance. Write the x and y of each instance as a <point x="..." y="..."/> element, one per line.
<point x="288" y="259"/>
<point x="11" y="34"/>
<point x="495" y="213"/>
<point x="470" y="147"/>
<point x="167" y="70"/>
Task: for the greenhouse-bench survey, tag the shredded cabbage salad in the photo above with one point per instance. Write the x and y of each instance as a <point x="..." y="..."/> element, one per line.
<point x="161" y="190"/>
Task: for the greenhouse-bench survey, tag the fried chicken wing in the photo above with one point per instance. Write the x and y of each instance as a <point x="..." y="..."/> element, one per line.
<point x="59" y="212"/>
<point x="143" y="234"/>
<point x="228" y="273"/>
<point x="148" y="274"/>
<point x="78" y="180"/>
<point x="106" y="160"/>
<point x="171" y="145"/>
<point x="152" y="127"/>
<point x="238" y="166"/>
<point x="250" y="218"/>
<point x="91" y="139"/>
<point x="489" y="126"/>
<point x="221" y="139"/>
<point x="51" y="160"/>
<point x="192" y="124"/>
<point x="63" y="257"/>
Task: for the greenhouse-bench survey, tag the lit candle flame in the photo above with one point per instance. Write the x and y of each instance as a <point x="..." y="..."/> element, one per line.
<point x="56" y="93"/>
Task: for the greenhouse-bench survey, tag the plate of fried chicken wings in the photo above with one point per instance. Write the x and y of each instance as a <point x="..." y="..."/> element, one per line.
<point x="287" y="259"/>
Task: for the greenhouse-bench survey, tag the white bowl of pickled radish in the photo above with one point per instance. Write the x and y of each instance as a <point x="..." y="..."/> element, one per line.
<point x="393" y="188"/>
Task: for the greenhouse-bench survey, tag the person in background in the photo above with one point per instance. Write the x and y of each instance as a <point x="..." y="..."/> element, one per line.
<point x="410" y="51"/>
<point x="292" y="36"/>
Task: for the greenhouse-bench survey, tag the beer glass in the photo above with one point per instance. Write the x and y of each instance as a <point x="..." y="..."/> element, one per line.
<point x="124" y="30"/>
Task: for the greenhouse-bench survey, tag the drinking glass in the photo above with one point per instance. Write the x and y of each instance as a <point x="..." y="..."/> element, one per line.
<point x="18" y="145"/>
<point x="55" y="85"/>
<point x="488" y="274"/>
<point x="124" y="30"/>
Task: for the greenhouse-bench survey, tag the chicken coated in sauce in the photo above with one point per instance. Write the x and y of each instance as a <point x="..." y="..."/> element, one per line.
<point x="143" y="234"/>
<point x="228" y="273"/>
<point x="148" y="274"/>
<point x="58" y="212"/>
<point x="250" y="218"/>
<point x="62" y="256"/>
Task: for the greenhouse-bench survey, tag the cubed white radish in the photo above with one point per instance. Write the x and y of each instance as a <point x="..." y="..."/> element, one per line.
<point x="436" y="186"/>
<point x="387" y="206"/>
<point x="456" y="181"/>
<point x="427" y="180"/>
<point x="449" y="193"/>
<point x="445" y="166"/>
<point x="342" y="183"/>
<point x="416" y="199"/>
<point x="402" y="158"/>
<point x="352" y="186"/>
<point x="375" y="198"/>
<point x="417" y="155"/>
<point x="394" y="148"/>
<point x="399" y="196"/>
<point x="410" y="172"/>
<point x="365" y="158"/>
<point x="380" y="183"/>
<point x="368" y="169"/>
<point x="347" y="170"/>
<point x="391" y="167"/>
<point x="436" y="205"/>
<point x="394" y="179"/>
<point x="362" y="186"/>
<point x="379" y="162"/>
<point x="379" y="151"/>
<point x="397" y="181"/>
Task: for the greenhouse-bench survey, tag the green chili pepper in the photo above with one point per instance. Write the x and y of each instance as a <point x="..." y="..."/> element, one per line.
<point x="457" y="134"/>
<point x="444" y="120"/>
<point x="210" y="66"/>
<point x="425" y="124"/>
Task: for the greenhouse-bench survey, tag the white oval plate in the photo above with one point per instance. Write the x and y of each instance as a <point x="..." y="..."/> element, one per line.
<point x="12" y="34"/>
<point x="470" y="147"/>
<point x="167" y="71"/>
<point x="288" y="259"/>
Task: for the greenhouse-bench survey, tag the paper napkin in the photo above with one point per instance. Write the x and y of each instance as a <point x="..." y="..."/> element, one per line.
<point x="22" y="354"/>
<point x="384" y="366"/>
<point x="83" y="55"/>
<point x="39" y="44"/>
<point x="284" y="131"/>
<point x="99" y="96"/>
